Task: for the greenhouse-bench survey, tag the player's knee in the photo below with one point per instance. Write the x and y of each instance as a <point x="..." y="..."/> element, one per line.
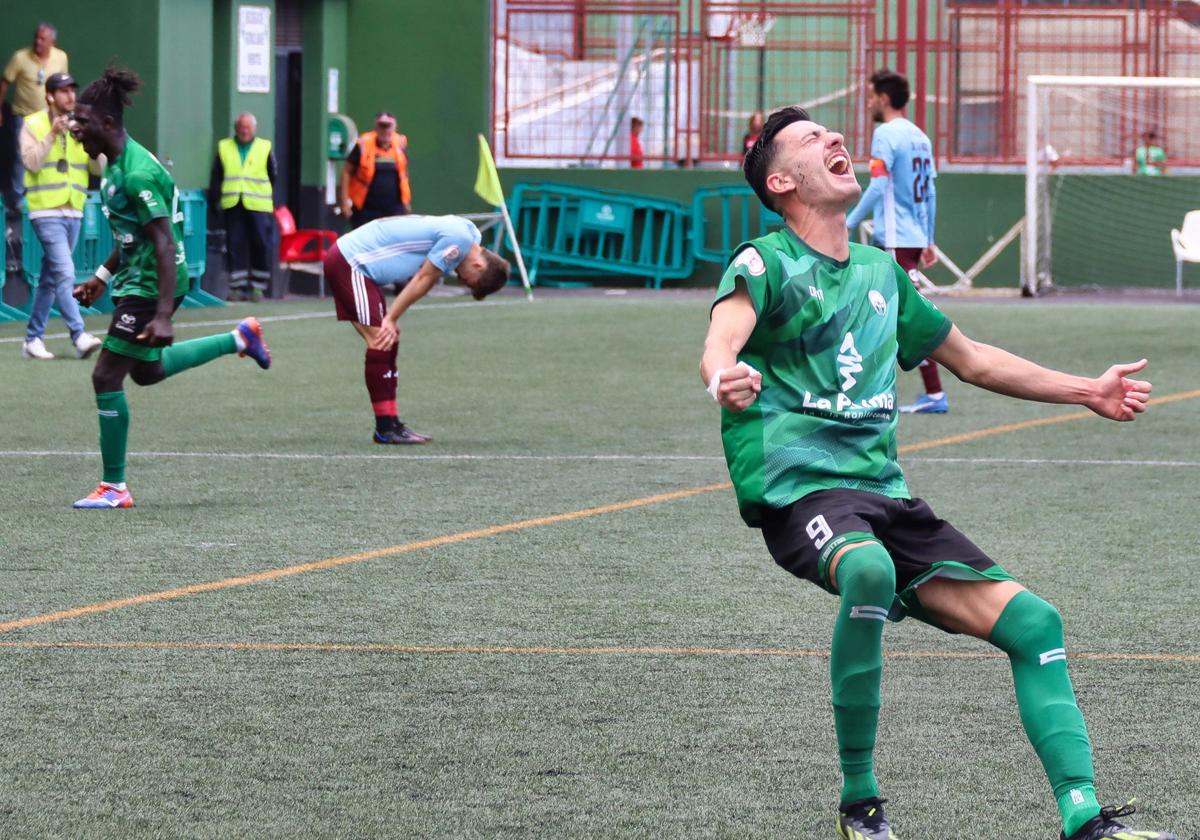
<point x="148" y="374"/>
<point x="1039" y="618"/>
<point x="1027" y="625"/>
<point x="104" y="379"/>
<point x="866" y="572"/>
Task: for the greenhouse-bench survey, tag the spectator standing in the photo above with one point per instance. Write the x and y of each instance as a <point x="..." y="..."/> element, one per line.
<point x="375" y="176"/>
<point x="904" y="201"/>
<point x="637" y="157"/>
<point x="243" y="183"/>
<point x="755" y="128"/>
<point x="56" y="178"/>
<point x="26" y="73"/>
<point x="1149" y="158"/>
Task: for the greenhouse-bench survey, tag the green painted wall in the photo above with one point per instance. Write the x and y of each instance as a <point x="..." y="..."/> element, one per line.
<point x="91" y="38"/>
<point x="429" y="62"/>
<point x="326" y="46"/>
<point x="227" y="103"/>
<point x="185" y="41"/>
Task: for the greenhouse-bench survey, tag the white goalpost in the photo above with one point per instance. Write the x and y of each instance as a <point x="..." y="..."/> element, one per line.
<point x="1093" y="215"/>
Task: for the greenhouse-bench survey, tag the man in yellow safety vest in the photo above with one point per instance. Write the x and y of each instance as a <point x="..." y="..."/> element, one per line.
<point x="56" y="181"/>
<point x="242" y="184"/>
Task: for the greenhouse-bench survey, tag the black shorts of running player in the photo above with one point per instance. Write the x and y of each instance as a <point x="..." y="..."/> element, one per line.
<point x="804" y="536"/>
<point x="129" y="319"/>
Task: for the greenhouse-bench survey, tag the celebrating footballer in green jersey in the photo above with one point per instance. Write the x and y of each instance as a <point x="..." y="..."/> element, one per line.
<point x="148" y="274"/>
<point x="801" y="354"/>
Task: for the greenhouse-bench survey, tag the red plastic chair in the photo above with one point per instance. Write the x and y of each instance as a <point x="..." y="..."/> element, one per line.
<point x="299" y="246"/>
<point x="303" y="250"/>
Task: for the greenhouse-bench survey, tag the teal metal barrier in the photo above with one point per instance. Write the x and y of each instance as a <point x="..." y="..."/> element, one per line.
<point x="96" y="243"/>
<point x="194" y="204"/>
<point x="7" y="313"/>
<point x="737" y="215"/>
<point x="569" y="234"/>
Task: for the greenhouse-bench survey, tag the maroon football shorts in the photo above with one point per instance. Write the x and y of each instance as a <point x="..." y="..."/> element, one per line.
<point x="355" y="295"/>
<point x="907" y="258"/>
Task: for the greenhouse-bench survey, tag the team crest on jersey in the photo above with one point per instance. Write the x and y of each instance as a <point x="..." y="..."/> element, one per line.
<point x="450" y="254"/>
<point x="753" y="262"/>
<point x="877" y="302"/>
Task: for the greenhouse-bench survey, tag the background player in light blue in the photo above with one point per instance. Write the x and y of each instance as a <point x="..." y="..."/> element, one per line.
<point x="903" y="198"/>
<point x="415" y="251"/>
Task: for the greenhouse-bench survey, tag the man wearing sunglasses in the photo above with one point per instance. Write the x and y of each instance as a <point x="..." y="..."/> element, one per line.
<point x="56" y="179"/>
<point x="375" y="177"/>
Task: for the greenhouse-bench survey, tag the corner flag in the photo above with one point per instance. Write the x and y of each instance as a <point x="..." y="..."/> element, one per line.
<point x="487" y="182"/>
<point x="487" y="187"/>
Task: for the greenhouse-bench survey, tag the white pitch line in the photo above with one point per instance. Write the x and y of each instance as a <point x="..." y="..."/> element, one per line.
<point x="415" y="456"/>
<point x="353" y="456"/>
<point x="1098" y="462"/>
<point x="301" y="316"/>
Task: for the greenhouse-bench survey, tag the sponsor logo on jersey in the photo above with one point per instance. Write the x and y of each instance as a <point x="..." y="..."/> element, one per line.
<point x="450" y="253"/>
<point x="880" y="404"/>
<point x="877" y="301"/>
<point x="849" y="362"/>
<point x="147" y="198"/>
<point x="753" y="262"/>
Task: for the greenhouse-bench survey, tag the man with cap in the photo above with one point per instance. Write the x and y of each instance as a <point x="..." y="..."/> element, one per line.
<point x="56" y="180"/>
<point x="242" y="185"/>
<point x="375" y="177"/>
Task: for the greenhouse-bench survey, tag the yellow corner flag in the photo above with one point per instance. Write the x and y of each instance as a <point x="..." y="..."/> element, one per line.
<point x="487" y="182"/>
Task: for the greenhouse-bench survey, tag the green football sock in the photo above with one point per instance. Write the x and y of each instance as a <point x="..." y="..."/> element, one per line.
<point x="866" y="579"/>
<point x="198" y="351"/>
<point x="114" y="434"/>
<point x="1030" y="631"/>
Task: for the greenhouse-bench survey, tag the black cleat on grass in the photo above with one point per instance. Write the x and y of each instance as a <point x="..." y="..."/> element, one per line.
<point x="1106" y="827"/>
<point x="400" y="434"/>
<point x="864" y="820"/>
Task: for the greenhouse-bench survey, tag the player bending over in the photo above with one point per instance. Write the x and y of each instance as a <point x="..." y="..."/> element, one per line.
<point x="801" y="354"/>
<point x="416" y="251"/>
<point x="148" y="273"/>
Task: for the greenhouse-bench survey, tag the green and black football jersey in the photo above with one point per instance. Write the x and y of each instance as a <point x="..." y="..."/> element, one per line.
<point x="827" y="340"/>
<point x="136" y="189"/>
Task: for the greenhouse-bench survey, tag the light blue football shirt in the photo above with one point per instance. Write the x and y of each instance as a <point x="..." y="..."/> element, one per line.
<point x="393" y="249"/>
<point x="901" y="193"/>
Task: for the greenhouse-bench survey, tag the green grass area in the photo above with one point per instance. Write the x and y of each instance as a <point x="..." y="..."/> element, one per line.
<point x="150" y="721"/>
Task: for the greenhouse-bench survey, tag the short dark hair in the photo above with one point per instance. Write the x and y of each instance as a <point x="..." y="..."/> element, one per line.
<point x="494" y="276"/>
<point x="758" y="161"/>
<point x="892" y="85"/>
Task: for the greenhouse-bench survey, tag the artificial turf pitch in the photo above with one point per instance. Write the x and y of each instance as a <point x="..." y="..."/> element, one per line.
<point x="469" y="663"/>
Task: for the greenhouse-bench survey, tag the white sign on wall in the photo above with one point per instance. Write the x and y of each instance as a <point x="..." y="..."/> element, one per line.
<point x="254" y="49"/>
<point x="333" y="91"/>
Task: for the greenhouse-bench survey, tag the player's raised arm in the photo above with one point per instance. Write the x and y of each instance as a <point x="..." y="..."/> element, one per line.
<point x="1112" y="394"/>
<point x="733" y="319"/>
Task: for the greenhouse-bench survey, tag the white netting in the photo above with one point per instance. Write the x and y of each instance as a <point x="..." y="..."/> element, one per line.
<point x="1099" y="212"/>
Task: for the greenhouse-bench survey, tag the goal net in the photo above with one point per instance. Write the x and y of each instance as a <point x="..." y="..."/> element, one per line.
<point x="1112" y="165"/>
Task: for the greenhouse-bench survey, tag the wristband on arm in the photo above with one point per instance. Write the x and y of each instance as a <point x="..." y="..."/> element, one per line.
<point x="104" y="275"/>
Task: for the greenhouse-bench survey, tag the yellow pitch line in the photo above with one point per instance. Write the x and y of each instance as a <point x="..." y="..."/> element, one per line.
<point x="556" y="650"/>
<point x="520" y="525"/>
<point x="332" y="562"/>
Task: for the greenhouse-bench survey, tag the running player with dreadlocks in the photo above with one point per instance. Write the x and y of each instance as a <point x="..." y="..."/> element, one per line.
<point x="148" y="274"/>
<point x="801" y="354"/>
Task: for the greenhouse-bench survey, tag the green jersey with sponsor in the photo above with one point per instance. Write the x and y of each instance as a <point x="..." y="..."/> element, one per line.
<point x="826" y="341"/>
<point x="135" y="190"/>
